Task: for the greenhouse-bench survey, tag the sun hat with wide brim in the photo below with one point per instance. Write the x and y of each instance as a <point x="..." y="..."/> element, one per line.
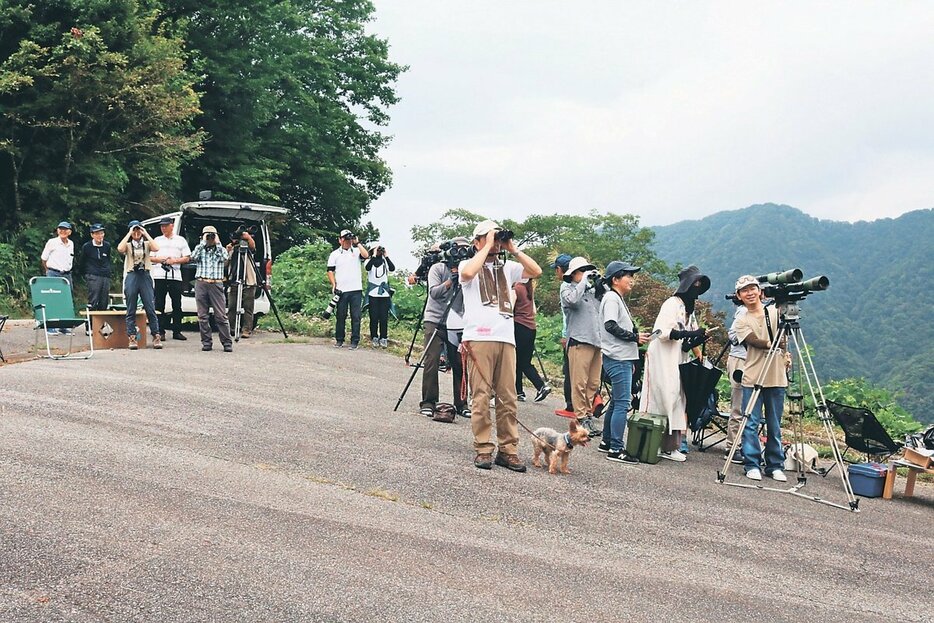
<point x="579" y="263"/>
<point x="688" y="276"/>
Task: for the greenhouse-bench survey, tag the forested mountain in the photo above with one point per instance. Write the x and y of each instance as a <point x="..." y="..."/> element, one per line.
<point x="875" y="319"/>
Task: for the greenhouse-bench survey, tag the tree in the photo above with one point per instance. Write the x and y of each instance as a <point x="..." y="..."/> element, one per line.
<point x="95" y="114"/>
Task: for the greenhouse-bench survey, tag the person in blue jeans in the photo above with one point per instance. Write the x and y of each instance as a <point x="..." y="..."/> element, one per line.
<point x="620" y="349"/>
<point x="757" y="330"/>
<point x="137" y="247"/>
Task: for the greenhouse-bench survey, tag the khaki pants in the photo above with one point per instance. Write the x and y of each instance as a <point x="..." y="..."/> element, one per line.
<point x="736" y="398"/>
<point x="584" y="364"/>
<point x="492" y="369"/>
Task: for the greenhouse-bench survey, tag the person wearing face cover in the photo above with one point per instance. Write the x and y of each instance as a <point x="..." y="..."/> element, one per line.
<point x="678" y="335"/>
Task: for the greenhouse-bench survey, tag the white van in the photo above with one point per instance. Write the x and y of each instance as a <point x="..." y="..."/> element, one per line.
<point x="227" y="217"/>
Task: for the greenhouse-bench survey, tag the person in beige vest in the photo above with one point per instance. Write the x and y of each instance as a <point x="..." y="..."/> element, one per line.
<point x="137" y="246"/>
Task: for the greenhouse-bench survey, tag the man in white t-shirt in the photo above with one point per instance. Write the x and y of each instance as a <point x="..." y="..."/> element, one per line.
<point x="345" y="277"/>
<point x="167" y="278"/>
<point x="58" y="257"/>
<point x="489" y="341"/>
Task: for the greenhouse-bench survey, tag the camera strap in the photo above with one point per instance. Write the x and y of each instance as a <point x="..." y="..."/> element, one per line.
<point x="768" y="324"/>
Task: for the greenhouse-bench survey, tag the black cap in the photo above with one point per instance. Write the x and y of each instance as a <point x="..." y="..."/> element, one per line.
<point x="167" y="220"/>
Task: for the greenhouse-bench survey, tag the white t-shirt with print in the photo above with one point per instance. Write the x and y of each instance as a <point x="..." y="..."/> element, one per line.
<point x="174" y="247"/>
<point x="485" y="323"/>
<point x="347" y="274"/>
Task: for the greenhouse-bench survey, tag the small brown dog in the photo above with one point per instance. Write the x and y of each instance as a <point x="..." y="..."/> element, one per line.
<point x="557" y="447"/>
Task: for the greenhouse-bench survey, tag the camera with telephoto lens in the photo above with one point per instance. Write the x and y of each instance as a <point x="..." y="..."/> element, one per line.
<point x="332" y="305"/>
<point x="787" y="285"/>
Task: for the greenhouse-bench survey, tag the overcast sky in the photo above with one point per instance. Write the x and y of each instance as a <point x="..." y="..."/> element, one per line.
<point x="667" y="110"/>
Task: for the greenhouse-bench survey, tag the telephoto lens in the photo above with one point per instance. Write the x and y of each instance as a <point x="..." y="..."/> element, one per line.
<point x="332" y="305"/>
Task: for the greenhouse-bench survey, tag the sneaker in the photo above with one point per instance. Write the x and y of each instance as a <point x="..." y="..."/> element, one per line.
<point x="178" y="336"/>
<point x="604" y="447"/>
<point x="427" y="411"/>
<point x="737" y="458"/>
<point x="754" y="474"/>
<point x="245" y="335"/>
<point x="68" y="332"/>
<point x="520" y="397"/>
<point x="779" y="475"/>
<point x="674" y="455"/>
<point x="568" y="413"/>
<point x="542" y="393"/>
<point x="206" y="347"/>
<point x="510" y="462"/>
<point x="384" y="342"/>
<point x="465" y="412"/>
<point x="53" y="332"/>
<point x="228" y="348"/>
<point x="338" y="344"/>
<point x="483" y="461"/>
<point x="620" y="456"/>
<point x="353" y="346"/>
<point x="375" y="341"/>
<point x="133" y="343"/>
<point x="157" y="342"/>
<point x="588" y="425"/>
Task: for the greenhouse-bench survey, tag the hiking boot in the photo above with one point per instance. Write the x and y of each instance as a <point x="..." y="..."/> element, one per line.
<point x="228" y="348"/>
<point x="133" y="343"/>
<point x="543" y="392"/>
<point x="510" y="462"/>
<point x="245" y="335"/>
<point x="178" y="336"/>
<point x="621" y="456"/>
<point x="206" y="347"/>
<point x="483" y="461"/>
<point x="157" y="342"/>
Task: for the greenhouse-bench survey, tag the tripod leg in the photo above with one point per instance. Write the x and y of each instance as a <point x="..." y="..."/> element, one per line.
<point x="415" y="368"/>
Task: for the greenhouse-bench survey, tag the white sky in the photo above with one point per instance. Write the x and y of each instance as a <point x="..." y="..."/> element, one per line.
<point x="668" y="110"/>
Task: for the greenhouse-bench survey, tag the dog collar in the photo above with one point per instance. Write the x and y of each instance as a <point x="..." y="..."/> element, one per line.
<point x="567" y="440"/>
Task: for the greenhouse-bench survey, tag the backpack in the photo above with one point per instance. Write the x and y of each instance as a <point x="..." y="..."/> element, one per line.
<point x="444" y="412"/>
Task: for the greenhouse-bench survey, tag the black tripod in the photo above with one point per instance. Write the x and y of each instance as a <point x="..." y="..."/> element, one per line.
<point x="789" y="327"/>
<point x="418" y="326"/>
<point x="455" y="290"/>
<point x="238" y="279"/>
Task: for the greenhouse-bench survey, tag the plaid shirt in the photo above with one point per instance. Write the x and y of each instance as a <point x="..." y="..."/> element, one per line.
<point x="209" y="260"/>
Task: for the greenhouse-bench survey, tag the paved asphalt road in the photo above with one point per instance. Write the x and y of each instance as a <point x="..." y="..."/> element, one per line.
<point x="276" y="484"/>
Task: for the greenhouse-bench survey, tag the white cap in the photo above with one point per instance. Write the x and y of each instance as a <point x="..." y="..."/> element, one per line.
<point x="345" y="232"/>
<point x="484" y="227"/>
<point x="209" y="229"/>
<point x="746" y="280"/>
<point x="579" y="263"/>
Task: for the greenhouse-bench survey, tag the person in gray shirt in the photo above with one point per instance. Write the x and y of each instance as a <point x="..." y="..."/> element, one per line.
<point x="619" y="345"/>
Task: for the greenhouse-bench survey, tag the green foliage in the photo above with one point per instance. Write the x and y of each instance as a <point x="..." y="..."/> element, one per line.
<point x="873" y="322"/>
<point x="14" y="280"/>
<point x="882" y="402"/>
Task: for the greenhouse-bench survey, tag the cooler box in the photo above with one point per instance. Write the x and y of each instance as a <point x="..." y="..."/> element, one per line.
<point x="867" y="479"/>
<point x="645" y="436"/>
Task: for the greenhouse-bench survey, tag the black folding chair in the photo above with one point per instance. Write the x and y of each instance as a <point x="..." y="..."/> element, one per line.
<point x="863" y="432"/>
<point x="3" y="320"/>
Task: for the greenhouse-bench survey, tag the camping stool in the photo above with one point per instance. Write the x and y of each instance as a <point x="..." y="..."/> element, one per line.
<point x="3" y="320"/>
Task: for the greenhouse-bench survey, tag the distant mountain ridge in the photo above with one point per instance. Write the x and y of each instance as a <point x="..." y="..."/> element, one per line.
<point x="875" y="321"/>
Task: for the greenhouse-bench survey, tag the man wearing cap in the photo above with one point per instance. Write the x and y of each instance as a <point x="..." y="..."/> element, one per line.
<point x="247" y="294"/>
<point x="580" y="302"/>
<point x="619" y="346"/>
<point x="137" y="247"/>
<point x="756" y="330"/>
<point x="58" y="258"/>
<point x="443" y="333"/>
<point x="560" y="266"/>
<point x="379" y="294"/>
<point x="210" y="257"/>
<point x="489" y="342"/>
<point x="97" y="263"/>
<point x="344" y="275"/>
<point x="173" y="252"/>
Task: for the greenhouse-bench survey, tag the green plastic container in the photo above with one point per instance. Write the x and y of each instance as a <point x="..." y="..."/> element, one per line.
<point x="645" y="436"/>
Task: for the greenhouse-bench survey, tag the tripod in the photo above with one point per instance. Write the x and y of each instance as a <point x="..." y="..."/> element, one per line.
<point x="238" y="275"/>
<point x="418" y="326"/>
<point x="455" y="290"/>
<point x="803" y="372"/>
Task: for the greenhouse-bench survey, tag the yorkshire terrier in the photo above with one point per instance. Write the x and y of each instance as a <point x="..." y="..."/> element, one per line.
<point x="557" y="446"/>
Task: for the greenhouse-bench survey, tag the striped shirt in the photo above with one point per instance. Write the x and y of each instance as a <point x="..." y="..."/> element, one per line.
<point x="209" y="260"/>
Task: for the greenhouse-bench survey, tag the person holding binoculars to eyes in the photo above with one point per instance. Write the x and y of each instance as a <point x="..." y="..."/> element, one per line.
<point x="378" y="267"/>
<point x="137" y="247"/>
<point x="210" y="257"/>
<point x="344" y="275"/>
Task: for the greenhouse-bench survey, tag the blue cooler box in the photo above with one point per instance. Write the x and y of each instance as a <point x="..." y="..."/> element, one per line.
<point x="867" y="479"/>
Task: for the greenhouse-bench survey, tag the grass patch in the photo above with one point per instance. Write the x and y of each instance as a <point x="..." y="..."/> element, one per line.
<point x="383" y="494"/>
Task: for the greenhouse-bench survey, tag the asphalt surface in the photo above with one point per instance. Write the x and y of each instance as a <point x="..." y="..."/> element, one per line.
<point x="276" y="484"/>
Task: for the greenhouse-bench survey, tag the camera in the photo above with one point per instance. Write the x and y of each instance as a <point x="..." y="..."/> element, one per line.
<point x="332" y="305"/>
<point x="237" y="234"/>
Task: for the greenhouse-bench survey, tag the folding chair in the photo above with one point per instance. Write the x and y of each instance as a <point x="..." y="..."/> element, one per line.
<point x="863" y="432"/>
<point x="3" y="320"/>
<point x="54" y="308"/>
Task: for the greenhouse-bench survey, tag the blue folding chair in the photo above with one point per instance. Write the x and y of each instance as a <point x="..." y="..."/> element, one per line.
<point x="54" y="308"/>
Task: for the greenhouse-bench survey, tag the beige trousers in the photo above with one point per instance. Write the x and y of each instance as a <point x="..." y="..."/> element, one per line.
<point x="736" y="398"/>
<point x="584" y="365"/>
<point x="491" y="369"/>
